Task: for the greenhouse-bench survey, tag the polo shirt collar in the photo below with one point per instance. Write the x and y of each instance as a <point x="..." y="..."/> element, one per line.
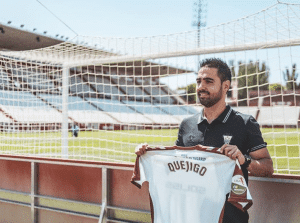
<point x="222" y="117"/>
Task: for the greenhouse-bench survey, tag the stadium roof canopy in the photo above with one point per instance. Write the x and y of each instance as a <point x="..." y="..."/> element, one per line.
<point x="29" y="46"/>
<point x="17" y="40"/>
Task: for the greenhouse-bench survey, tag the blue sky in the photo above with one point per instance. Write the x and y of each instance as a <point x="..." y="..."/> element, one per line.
<point x="122" y="18"/>
<point x="115" y="18"/>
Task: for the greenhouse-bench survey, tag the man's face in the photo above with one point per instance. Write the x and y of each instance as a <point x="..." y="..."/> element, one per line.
<point x="209" y="86"/>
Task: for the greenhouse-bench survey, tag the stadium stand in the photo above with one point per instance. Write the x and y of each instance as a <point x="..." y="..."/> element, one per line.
<point x="4" y="119"/>
<point x="247" y="110"/>
<point x="34" y="79"/>
<point x="19" y="99"/>
<point x="78" y="88"/>
<point x="5" y="81"/>
<point x="111" y="88"/>
<point x="279" y="116"/>
<point x="26" y="108"/>
<point x="144" y="107"/>
<point x="102" y="86"/>
<point x="74" y="102"/>
<point x="89" y="117"/>
<point x="120" y="111"/>
<point x="153" y="88"/>
<point x="111" y="105"/>
<point x="128" y="86"/>
<point x="153" y="112"/>
<point x="79" y="110"/>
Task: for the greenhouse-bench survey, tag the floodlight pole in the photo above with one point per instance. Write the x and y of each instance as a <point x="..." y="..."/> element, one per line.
<point x="65" y="119"/>
<point x="200" y="11"/>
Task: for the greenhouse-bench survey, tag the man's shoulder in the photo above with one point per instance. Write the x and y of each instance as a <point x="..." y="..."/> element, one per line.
<point x="242" y="117"/>
<point x="193" y="118"/>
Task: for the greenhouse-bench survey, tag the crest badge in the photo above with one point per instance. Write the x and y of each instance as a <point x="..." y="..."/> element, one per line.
<point x="227" y="139"/>
<point x="191" y="138"/>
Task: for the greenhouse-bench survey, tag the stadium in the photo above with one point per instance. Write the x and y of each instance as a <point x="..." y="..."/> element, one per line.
<point x="121" y="92"/>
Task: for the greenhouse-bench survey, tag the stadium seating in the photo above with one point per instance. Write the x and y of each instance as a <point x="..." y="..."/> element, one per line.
<point x="110" y="88"/>
<point x="247" y="110"/>
<point x="177" y="109"/>
<point x="144" y="107"/>
<point x="91" y="117"/>
<point x="74" y="103"/>
<point x="20" y="99"/>
<point x="33" y="79"/>
<point x="120" y="111"/>
<point x="279" y="116"/>
<point x="152" y="112"/>
<point x="111" y="105"/>
<point x="33" y="115"/>
<point x="25" y="107"/>
<point x="4" y="81"/>
<point x="80" y="110"/>
<point x="77" y="87"/>
<point x="4" y="119"/>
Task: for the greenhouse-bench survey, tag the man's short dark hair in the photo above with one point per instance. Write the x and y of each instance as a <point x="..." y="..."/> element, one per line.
<point x="223" y="70"/>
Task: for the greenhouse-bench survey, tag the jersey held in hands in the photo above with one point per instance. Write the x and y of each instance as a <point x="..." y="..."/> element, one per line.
<point x="189" y="184"/>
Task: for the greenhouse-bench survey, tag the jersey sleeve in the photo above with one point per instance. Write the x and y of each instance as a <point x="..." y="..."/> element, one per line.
<point x="179" y="141"/>
<point x="254" y="136"/>
<point x="239" y="195"/>
<point x="138" y="176"/>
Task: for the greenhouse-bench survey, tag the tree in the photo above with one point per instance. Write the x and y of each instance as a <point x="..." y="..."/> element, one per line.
<point x="291" y="78"/>
<point x="233" y="77"/>
<point x="251" y="76"/>
<point x="191" y="93"/>
<point x="276" y="87"/>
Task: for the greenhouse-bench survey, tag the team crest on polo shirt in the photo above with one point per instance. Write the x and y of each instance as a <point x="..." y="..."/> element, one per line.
<point x="191" y="138"/>
<point x="227" y="139"/>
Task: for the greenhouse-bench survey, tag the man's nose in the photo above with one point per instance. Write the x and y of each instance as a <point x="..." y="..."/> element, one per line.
<point x="200" y="87"/>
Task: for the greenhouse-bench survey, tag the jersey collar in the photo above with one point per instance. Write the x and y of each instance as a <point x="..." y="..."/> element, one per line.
<point x="222" y="117"/>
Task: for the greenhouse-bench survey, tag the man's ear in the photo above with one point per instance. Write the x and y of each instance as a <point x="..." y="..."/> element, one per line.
<point x="226" y="85"/>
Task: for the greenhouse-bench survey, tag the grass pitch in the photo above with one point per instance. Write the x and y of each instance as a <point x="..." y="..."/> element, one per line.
<point x="118" y="146"/>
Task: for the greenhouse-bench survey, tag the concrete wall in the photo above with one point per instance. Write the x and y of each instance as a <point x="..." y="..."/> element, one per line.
<point x="56" y="190"/>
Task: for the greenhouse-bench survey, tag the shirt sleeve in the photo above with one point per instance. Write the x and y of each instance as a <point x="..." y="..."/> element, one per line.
<point x="179" y="141"/>
<point x="239" y="195"/>
<point x="255" y="140"/>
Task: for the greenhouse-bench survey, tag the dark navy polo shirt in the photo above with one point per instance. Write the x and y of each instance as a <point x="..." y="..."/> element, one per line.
<point x="231" y="126"/>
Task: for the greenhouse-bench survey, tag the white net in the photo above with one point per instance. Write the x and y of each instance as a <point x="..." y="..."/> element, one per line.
<point x="121" y="92"/>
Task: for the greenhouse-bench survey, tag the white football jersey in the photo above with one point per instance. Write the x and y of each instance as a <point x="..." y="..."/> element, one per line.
<point x="189" y="184"/>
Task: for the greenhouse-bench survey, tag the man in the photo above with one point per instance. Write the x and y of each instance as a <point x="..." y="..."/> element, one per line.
<point x="75" y="130"/>
<point x="238" y="135"/>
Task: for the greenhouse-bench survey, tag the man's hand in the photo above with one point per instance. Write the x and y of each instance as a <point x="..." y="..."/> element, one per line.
<point x="233" y="152"/>
<point x="141" y="149"/>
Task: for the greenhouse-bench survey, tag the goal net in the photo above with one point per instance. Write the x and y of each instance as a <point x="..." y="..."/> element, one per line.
<point x="98" y="98"/>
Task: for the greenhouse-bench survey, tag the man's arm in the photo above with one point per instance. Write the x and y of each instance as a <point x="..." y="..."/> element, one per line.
<point x="261" y="164"/>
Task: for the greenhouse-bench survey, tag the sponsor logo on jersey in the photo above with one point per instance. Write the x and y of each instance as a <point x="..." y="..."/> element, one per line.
<point x="186" y="188"/>
<point x="227" y="139"/>
<point x="193" y="157"/>
<point x="187" y="166"/>
<point x="238" y="185"/>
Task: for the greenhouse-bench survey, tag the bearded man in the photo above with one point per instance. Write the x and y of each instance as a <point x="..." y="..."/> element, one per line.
<point x="217" y="125"/>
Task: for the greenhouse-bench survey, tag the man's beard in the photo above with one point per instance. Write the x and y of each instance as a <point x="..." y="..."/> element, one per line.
<point x="210" y="101"/>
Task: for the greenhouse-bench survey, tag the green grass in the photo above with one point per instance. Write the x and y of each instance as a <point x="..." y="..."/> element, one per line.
<point x="283" y="145"/>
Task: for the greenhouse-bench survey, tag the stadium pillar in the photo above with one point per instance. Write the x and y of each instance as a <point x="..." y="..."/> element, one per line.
<point x="34" y="199"/>
<point x="65" y="95"/>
